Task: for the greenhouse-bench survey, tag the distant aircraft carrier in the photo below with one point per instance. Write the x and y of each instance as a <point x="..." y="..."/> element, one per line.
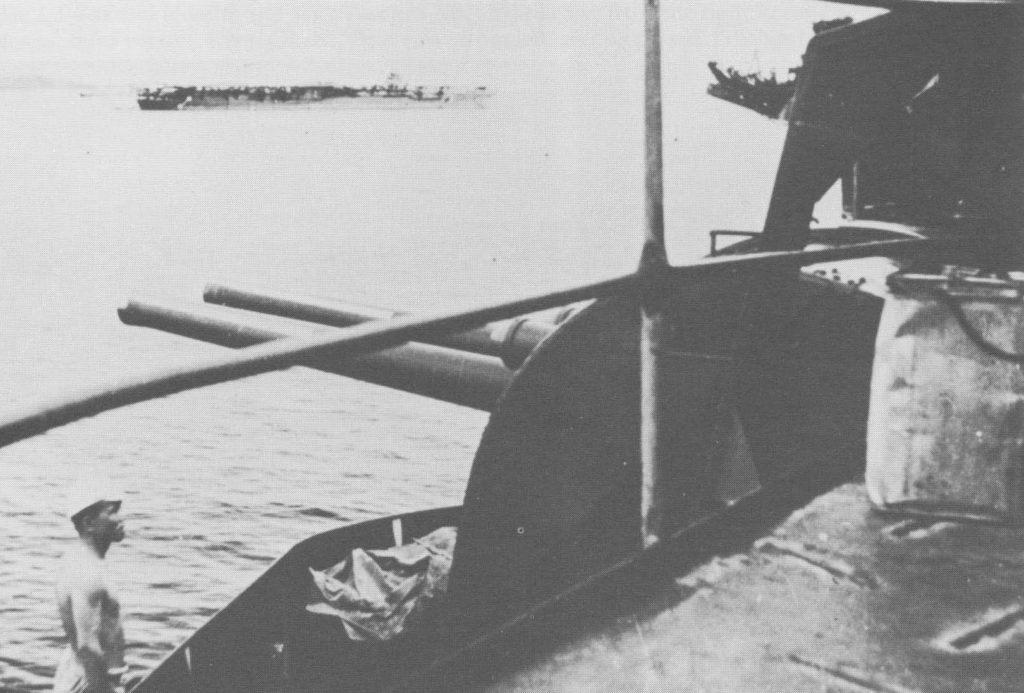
<point x="390" y="95"/>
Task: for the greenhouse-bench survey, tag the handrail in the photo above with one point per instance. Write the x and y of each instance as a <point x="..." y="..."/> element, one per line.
<point x="711" y="266"/>
<point x="373" y="336"/>
<point x="480" y="340"/>
<point x="440" y="373"/>
<point x="284" y="353"/>
<point x="716" y="233"/>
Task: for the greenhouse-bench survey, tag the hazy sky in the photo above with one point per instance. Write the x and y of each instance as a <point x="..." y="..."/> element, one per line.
<point x="465" y="42"/>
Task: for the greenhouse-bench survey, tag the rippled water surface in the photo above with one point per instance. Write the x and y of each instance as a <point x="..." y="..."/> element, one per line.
<point x="417" y="210"/>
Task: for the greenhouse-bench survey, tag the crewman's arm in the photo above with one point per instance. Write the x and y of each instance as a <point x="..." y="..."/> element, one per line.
<point x="87" y="609"/>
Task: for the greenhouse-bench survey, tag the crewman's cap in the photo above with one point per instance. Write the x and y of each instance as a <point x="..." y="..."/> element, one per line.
<point x="87" y="493"/>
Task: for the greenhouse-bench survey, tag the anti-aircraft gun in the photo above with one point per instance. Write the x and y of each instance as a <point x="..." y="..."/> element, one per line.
<point x="681" y="414"/>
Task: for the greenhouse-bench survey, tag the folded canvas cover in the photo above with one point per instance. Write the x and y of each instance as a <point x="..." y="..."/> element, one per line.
<point x="379" y="594"/>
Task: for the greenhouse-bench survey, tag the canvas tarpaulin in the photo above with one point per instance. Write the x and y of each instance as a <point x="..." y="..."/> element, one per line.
<point x="379" y="594"/>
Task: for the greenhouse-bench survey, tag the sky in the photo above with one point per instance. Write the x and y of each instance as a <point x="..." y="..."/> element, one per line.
<point x="458" y="42"/>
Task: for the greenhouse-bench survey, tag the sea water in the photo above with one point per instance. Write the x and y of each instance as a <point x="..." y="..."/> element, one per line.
<point x="418" y="210"/>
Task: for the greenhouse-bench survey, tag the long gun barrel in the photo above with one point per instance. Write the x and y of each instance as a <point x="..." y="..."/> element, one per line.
<point x="511" y="340"/>
<point x="458" y="377"/>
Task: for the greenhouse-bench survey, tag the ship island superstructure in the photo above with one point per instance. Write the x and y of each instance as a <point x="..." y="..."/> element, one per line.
<point x="391" y="94"/>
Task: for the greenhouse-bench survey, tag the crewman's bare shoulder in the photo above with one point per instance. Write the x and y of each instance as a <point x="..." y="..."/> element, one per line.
<point x="80" y="573"/>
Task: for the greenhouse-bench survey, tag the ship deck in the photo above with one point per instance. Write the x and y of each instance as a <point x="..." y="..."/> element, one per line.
<point x="835" y="598"/>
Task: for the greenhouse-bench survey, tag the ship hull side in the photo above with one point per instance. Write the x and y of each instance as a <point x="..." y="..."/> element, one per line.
<point x="338" y="103"/>
<point x="148" y="105"/>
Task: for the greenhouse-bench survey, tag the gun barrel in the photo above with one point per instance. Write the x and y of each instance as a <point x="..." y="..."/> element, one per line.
<point x="512" y="341"/>
<point x="449" y="375"/>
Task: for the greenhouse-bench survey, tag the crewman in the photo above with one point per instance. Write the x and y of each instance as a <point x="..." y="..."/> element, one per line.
<point x="89" y="610"/>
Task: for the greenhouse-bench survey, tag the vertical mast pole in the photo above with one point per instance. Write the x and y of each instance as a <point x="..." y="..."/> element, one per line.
<point x="653" y="261"/>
